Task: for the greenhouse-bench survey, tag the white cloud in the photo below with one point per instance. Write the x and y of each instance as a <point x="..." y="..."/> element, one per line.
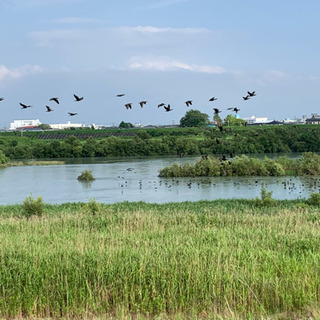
<point x="274" y="75"/>
<point x="48" y="38"/>
<point x="167" y="64"/>
<point x="19" y="72"/>
<point x="150" y="30"/>
<point x="129" y="35"/>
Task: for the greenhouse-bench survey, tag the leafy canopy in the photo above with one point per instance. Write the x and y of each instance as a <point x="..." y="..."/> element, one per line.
<point x="194" y="118"/>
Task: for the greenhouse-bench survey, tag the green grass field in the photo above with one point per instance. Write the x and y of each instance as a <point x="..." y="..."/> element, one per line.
<point x="228" y="259"/>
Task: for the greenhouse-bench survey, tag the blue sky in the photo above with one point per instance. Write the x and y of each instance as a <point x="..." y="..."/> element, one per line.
<point x="161" y="51"/>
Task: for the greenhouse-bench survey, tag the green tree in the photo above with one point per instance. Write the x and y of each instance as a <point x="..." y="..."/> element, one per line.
<point x="194" y="118"/>
<point x="231" y="120"/>
<point x="44" y="126"/>
<point x="125" y="125"/>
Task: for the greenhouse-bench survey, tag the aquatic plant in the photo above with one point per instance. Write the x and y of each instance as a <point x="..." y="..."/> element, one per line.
<point x="309" y="164"/>
<point x="86" y="175"/>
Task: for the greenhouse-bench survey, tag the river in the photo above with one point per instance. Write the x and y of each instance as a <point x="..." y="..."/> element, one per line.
<point x="137" y="180"/>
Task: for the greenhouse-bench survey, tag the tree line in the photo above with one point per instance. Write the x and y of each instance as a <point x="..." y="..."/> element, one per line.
<point x="180" y="141"/>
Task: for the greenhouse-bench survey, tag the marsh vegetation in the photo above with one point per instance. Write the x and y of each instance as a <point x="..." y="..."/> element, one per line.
<point x="308" y="164"/>
<point x="234" y="259"/>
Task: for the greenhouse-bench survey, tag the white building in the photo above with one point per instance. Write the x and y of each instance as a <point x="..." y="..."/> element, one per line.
<point x="255" y="120"/>
<point x="68" y="125"/>
<point x="16" y="124"/>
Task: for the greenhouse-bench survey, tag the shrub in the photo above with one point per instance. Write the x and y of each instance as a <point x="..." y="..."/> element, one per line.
<point x="86" y="175"/>
<point x="314" y="199"/>
<point x="3" y="158"/>
<point x="93" y="206"/>
<point x="32" y="206"/>
<point x="266" y="198"/>
<point x="309" y="164"/>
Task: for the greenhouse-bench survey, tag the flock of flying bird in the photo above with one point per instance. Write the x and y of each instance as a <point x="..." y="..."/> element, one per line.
<point x="188" y="103"/>
<point x="49" y="109"/>
<point x="167" y="107"/>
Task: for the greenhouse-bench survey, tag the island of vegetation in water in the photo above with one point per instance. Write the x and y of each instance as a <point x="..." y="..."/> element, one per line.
<point x="225" y="259"/>
<point x="207" y="166"/>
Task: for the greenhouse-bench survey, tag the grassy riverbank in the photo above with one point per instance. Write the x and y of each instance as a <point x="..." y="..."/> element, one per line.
<point x="234" y="259"/>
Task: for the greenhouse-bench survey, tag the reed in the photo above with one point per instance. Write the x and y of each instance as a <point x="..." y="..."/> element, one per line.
<point x="227" y="259"/>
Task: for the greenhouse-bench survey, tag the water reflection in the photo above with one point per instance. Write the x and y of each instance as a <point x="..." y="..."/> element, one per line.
<point x="137" y="180"/>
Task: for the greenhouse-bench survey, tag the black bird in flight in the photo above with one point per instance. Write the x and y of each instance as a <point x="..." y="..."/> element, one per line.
<point x="213" y="99"/>
<point x="1" y="98"/>
<point x="72" y="113"/>
<point x="235" y="109"/>
<point x="246" y="97"/>
<point x="24" y="106"/>
<point x="216" y="110"/>
<point x="128" y="106"/>
<point x="161" y="105"/>
<point x="56" y="100"/>
<point x="120" y="95"/>
<point x="168" y="108"/>
<point x="77" y="98"/>
<point x="142" y="103"/>
<point x="251" y="94"/>
<point x="188" y="103"/>
<point x="48" y="109"/>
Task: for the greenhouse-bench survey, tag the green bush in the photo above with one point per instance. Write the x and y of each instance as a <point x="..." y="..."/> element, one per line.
<point x="32" y="207"/>
<point x="93" y="206"/>
<point x="86" y="175"/>
<point x="3" y="158"/>
<point x="314" y="199"/>
<point x="266" y="198"/>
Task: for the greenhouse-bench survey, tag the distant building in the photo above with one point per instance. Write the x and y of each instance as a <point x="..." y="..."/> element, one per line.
<point x="21" y="124"/>
<point x="315" y="119"/>
<point x="255" y="120"/>
<point x="68" y="125"/>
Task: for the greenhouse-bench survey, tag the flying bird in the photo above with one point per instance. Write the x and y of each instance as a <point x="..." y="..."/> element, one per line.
<point x="24" y="106"/>
<point x="120" y="95"/>
<point x="235" y="109"/>
<point x="1" y="98"/>
<point x="251" y="94"/>
<point x="246" y="97"/>
<point x="72" y="113"/>
<point x="142" y="103"/>
<point x="188" y="103"/>
<point x="161" y="105"/>
<point x="213" y="99"/>
<point x="216" y="110"/>
<point x="168" y="108"/>
<point x="48" y="109"/>
<point x="56" y="100"/>
<point x="128" y="106"/>
<point x="77" y="98"/>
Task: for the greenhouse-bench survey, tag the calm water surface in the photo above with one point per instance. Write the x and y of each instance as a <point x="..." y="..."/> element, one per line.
<point x="137" y="180"/>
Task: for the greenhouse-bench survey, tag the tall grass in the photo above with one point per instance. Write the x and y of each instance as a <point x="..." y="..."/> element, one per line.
<point x="228" y="259"/>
